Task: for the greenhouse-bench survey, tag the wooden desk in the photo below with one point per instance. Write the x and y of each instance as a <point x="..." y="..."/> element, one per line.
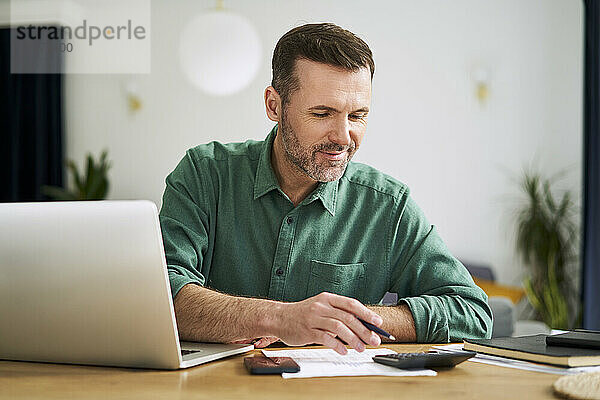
<point x="227" y="379"/>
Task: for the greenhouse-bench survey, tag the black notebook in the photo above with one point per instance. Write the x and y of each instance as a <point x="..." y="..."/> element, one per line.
<point x="534" y="348"/>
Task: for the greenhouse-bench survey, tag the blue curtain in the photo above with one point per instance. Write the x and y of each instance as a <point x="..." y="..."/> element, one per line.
<point x="591" y="200"/>
<point x="31" y="125"/>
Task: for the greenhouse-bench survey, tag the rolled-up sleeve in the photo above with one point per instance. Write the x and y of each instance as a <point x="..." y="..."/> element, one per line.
<point x="184" y="225"/>
<point x="445" y="302"/>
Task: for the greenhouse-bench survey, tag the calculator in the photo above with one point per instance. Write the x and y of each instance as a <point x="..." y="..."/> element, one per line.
<point x="431" y="359"/>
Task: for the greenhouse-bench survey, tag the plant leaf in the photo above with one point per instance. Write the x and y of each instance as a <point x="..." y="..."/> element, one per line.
<point x="58" y="193"/>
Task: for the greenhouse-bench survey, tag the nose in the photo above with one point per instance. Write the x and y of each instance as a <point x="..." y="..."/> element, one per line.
<point x="340" y="133"/>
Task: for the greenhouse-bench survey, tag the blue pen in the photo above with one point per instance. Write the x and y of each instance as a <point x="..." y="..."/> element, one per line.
<point x="376" y="329"/>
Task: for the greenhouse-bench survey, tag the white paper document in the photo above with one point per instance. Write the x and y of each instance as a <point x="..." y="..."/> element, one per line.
<point x="326" y="362"/>
<point x="518" y="364"/>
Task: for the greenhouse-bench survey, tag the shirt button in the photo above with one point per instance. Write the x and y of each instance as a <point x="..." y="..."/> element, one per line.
<point x="290" y="220"/>
<point x="279" y="272"/>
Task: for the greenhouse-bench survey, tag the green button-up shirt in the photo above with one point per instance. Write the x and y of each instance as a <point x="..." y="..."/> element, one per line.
<point x="227" y="225"/>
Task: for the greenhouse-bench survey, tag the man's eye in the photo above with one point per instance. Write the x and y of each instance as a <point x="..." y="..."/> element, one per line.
<point x="358" y="116"/>
<point x="320" y="115"/>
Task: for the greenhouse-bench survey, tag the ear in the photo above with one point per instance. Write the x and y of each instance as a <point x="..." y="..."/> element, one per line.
<point x="272" y="104"/>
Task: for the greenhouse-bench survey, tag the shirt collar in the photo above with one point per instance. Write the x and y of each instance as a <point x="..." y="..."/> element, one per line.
<point x="327" y="193"/>
<point x="265" y="179"/>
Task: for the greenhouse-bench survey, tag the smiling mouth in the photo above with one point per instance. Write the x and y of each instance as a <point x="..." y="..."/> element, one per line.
<point x="334" y="156"/>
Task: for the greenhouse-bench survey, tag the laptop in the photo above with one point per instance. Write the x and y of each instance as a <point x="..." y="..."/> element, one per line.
<point x="85" y="282"/>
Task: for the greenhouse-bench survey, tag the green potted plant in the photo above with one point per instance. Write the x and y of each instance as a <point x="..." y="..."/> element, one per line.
<point x="547" y="242"/>
<point x="91" y="185"/>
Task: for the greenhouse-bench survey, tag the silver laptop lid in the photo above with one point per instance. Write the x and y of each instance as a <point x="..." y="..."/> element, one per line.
<point x="85" y="283"/>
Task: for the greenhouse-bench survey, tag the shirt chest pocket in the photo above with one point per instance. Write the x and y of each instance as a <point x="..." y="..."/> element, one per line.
<point x="344" y="279"/>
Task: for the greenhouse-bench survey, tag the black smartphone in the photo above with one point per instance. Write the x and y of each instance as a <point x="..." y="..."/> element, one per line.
<point x="270" y="365"/>
<point x="576" y="338"/>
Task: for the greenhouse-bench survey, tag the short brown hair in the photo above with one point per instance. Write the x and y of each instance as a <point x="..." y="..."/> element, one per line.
<point x="326" y="43"/>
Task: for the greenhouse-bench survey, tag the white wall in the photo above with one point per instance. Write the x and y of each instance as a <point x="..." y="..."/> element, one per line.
<point x="426" y="127"/>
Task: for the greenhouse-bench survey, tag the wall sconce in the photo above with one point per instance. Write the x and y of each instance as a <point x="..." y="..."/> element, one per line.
<point x="220" y="51"/>
<point x="132" y="94"/>
<point x="481" y="77"/>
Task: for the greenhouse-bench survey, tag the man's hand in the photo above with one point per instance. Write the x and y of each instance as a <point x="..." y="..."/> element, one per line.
<point x="321" y="318"/>
<point x="204" y="315"/>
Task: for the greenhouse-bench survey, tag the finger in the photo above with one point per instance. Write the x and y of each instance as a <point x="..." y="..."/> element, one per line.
<point x="362" y="332"/>
<point x="343" y="332"/>
<point x="326" y="339"/>
<point x="354" y="307"/>
<point x="264" y="342"/>
<point x="242" y="341"/>
<point x="271" y="339"/>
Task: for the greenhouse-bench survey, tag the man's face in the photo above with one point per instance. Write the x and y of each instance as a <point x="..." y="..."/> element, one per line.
<point x="324" y="121"/>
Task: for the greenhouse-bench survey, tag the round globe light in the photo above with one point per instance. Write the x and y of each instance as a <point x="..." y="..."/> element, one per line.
<point x="220" y="52"/>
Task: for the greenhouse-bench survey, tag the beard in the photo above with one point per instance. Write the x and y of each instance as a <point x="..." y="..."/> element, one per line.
<point x="305" y="158"/>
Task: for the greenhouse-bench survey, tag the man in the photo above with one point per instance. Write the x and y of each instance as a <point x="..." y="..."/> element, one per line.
<point x="285" y="238"/>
